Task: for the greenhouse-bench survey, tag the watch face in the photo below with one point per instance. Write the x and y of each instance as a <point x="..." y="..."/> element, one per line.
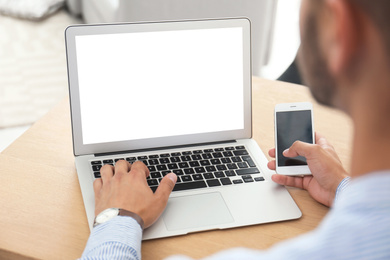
<point x="107" y="214"/>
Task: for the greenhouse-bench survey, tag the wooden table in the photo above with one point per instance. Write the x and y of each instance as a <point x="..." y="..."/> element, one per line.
<point x="42" y="212"/>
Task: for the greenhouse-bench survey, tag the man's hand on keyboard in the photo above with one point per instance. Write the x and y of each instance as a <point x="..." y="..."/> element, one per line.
<point x="324" y="164"/>
<point x="125" y="186"/>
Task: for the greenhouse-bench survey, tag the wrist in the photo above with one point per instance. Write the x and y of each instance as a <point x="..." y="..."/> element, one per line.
<point x="140" y="221"/>
<point x="110" y="213"/>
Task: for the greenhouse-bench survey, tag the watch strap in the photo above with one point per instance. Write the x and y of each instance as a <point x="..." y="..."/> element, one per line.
<point x="123" y="212"/>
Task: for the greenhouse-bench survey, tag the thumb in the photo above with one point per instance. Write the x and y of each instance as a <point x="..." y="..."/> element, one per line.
<point x="298" y="149"/>
<point x="166" y="186"/>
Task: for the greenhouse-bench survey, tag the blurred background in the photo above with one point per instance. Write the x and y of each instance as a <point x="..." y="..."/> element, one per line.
<point x="33" y="74"/>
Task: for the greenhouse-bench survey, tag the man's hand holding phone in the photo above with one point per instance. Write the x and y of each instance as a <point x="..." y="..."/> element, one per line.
<point x="324" y="164"/>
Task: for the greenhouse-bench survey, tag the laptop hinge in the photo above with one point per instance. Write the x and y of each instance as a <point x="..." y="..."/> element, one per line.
<point x="163" y="148"/>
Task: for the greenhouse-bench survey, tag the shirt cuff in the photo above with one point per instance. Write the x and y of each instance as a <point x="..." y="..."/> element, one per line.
<point x="122" y="230"/>
<point x="343" y="184"/>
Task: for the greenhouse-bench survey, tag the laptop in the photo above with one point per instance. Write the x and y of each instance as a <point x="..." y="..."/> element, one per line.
<point x="177" y="96"/>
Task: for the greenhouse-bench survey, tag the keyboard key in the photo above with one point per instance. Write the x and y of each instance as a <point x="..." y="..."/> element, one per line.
<point x="240" y="147"/>
<point x="225" y="181"/>
<point x="186" y="153"/>
<point x="197" y="152"/>
<point x="208" y="175"/>
<point x="172" y="166"/>
<point x="247" y="171"/>
<point x="238" y="181"/>
<point x="249" y="161"/>
<point x="153" y="162"/>
<point x="215" y="161"/>
<point x="109" y="161"/>
<point x="200" y="170"/>
<point x="232" y="166"/>
<point x="230" y="173"/>
<point x="240" y="152"/>
<point x="142" y="158"/>
<point x="213" y="183"/>
<point x="205" y="162"/>
<point x="178" y="179"/>
<point x="219" y="149"/>
<point x="194" y="164"/>
<point x="229" y="148"/>
<point x="207" y="156"/>
<point x="152" y="168"/>
<point x="208" y="150"/>
<point x="175" y="154"/>
<point x="189" y="185"/>
<point x="259" y="179"/>
<point x="164" y="155"/>
<point x="197" y="177"/>
<point x="118" y="159"/>
<point x="178" y="172"/>
<point x="217" y="155"/>
<point x="183" y="165"/>
<point x="155" y="175"/>
<point x="152" y="182"/>
<point x="153" y="188"/>
<point x="228" y="154"/>
<point x="175" y="159"/>
<point x="130" y="159"/>
<point x="236" y="159"/>
<point x="162" y="167"/>
<point x="247" y="179"/>
<point x="186" y="158"/>
<point x="97" y="174"/>
<point x="242" y="165"/>
<point x="189" y="171"/>
<point x="165" y="173"/>
<point x="226" y="160"/>
<point x="164" y="160"/>
<point x="196" y="157"/>
<point x="210" y="169"/>
<point x="221" y="168"/>
<point x="154" y="156"/>
<point x="186" y="178"/>
<point x="219" y="174"/>
<point x="96" y="162"/>
<point x="96" y="168"/>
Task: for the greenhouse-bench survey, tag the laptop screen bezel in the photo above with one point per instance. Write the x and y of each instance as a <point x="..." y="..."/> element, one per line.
<point x="109" y="147"/>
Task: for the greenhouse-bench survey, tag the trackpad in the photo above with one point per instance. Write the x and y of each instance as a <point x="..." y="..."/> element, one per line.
<point x="194" y="211"/>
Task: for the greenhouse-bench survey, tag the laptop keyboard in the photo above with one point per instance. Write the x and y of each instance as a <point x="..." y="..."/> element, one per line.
<point x="197" y="168"/>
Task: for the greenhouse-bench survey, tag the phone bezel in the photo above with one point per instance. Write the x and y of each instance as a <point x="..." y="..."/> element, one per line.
<point x="290" y="107"/>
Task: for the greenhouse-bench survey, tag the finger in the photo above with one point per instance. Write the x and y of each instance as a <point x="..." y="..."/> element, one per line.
<point x="97" y="185"/>
<point x="140" y="169"/>
<point x="272" y="165"/>
<point x="272" y="152"/>
<point x="298" y="149"/>
<point x="296" y="182"/>
<point x="121" y="167"/>
<point x="165" y="188"/>
<point x="106" y="172"/>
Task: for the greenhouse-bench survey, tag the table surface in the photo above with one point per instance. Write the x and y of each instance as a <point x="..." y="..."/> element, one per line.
<point x="43" y="212"/>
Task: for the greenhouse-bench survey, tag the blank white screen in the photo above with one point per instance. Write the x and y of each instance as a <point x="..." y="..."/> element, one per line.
<point x="158" y="84"/>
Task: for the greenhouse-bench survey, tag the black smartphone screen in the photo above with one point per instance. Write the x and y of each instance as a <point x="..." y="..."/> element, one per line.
<point x="293" y="126"/>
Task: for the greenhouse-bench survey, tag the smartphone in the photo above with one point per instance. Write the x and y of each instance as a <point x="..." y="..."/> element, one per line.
<point x="293" y="122"/>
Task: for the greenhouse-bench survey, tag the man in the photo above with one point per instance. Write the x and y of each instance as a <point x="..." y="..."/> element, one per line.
<point x="345" y="59"/>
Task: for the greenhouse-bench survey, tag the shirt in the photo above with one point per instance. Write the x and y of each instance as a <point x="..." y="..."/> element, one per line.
<point x="357" y="227"/>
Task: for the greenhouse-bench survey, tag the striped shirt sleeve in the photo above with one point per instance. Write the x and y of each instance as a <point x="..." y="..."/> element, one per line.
<point x="118" y="238"/>
<point x="342" y="185"/>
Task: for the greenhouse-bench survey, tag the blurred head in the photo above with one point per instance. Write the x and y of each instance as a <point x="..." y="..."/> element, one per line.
<point x="342" y="42"/>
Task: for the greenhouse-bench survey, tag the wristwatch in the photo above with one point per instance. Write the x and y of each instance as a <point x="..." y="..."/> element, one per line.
<point x="110" y="213"/>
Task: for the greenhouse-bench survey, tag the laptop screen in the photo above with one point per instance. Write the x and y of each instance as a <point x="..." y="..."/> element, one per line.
<point x="157" y="84"/>
<point x="137" y="85"/>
